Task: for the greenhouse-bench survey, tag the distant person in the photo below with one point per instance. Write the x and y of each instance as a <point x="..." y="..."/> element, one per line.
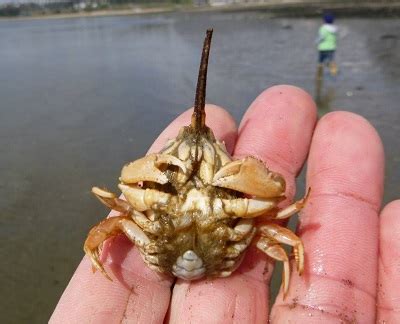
<point x="326" y="43"/>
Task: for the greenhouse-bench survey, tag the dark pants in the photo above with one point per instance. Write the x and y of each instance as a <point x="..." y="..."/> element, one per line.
<point x="326" y="56"/>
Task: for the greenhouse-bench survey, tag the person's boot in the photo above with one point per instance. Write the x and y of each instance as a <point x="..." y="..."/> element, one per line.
<point x="333" y="69"/>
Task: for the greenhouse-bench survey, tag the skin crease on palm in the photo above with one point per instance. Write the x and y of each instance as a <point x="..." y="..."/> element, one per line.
<point x="352" y="251"/>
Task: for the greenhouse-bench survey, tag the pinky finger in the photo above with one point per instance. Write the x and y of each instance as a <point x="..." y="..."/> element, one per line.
<point x="389" y="265"/>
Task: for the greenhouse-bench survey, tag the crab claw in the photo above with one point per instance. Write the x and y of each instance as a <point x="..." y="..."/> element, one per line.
<point x="251" y="177"/>
<point x="148" y="168"/>
<point x="248" y="208"/>
<point x="143" y="169"/>
<point x="144" y="199"/>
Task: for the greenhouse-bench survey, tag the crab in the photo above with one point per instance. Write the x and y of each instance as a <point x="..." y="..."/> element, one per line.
<point x="191" y="209"/>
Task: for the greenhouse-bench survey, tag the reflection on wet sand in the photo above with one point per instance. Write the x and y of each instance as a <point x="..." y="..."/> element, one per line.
<point x="324" y="96"/>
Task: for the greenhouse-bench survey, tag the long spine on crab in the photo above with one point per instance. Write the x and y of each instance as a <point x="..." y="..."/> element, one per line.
<point x="199" y="115"/>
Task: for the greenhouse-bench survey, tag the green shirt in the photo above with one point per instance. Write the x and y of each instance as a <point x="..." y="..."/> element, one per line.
<point x="327" y="37"/>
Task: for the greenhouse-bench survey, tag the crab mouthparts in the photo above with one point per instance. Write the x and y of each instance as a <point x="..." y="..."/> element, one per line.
<point x="189" y="266"/>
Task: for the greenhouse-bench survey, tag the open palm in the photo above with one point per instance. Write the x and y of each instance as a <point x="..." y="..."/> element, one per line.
<point x="352" y="269"/>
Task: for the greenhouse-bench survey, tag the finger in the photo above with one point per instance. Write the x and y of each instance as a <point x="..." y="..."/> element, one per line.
<point x="389" y="265"/>
<point x="277" y="128"/>
<point x="339" y="226"/>
<point x="137" y="293"/>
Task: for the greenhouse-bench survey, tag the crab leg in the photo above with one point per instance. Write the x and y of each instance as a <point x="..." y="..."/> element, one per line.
<point x="144" y="223"/>
<point x="234" y="250"/>
<point x="285" y="236"/>
<point x="110" y="200"/>
<point x="241" y="230"/>
<point x="276" y="252"/>
<point x="108" y="228"/>
<point x="293" y="208"/>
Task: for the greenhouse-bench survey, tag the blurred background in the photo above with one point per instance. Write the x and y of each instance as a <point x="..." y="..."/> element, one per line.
<point x="90" y="89"/>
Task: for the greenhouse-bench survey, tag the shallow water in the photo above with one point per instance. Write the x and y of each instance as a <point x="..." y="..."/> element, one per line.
<point x="80" y="97"/>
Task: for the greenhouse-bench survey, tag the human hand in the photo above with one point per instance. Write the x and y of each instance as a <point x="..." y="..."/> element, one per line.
<point x="344" y="238"/>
